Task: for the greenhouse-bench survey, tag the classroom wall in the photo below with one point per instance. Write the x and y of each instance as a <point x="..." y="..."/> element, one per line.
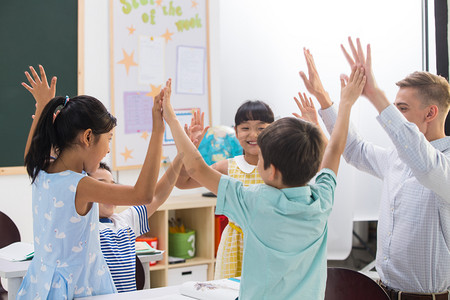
<point x="15" y="190"/>
<point x="261" y="55"/>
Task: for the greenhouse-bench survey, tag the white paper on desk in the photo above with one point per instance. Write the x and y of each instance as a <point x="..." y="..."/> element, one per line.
<point x="223" y="289"/>
<point x="17" y="251"/>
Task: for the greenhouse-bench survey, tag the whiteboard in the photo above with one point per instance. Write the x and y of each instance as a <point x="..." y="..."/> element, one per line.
<point x="151" y="41"/>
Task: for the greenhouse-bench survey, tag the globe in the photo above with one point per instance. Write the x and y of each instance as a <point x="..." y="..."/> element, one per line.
<point x="219" y="143"/>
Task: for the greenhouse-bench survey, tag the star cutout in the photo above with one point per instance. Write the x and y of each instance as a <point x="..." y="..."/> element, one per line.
<point x="127" y="154"/>
<point x="127" y="60"/>
<point x="145" y="135"/>
<point x="194" y="4"/>
<point x="167" y="35"/>
<point x="155" y="91"/>
<point x="158" y="2"/>
<point x="131" y="29"/>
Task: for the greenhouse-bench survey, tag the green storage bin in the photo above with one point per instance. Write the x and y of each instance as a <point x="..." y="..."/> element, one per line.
<point x="182" y="244"/>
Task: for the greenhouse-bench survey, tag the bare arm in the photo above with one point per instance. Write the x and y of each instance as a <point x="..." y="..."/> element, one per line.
<point x="193" y="161"/>
<point x="165" y="185"/>
<point x="42" y="93"/>
<point x="91" y="190"/>
<point x="349" y="94"/>
<point x="185" y="181"/>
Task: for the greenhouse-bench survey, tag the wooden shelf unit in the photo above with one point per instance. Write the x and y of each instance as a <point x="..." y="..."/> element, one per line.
<point x="197" y="213"/>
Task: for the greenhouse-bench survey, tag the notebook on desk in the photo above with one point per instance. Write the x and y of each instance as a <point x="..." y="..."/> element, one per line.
<point x="18" y="251"/>
<point x="222" y="289"/>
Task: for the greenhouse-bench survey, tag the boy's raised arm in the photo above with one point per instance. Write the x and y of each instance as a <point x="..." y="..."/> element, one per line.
<point x="193" y="161"/>
<point x="349" y="93"/>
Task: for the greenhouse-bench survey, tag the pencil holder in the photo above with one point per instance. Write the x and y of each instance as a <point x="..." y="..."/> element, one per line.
<point x="182" y="244"/>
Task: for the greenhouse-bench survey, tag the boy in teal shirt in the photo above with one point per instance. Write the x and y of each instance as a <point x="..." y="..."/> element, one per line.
<point x="284" y="220"/>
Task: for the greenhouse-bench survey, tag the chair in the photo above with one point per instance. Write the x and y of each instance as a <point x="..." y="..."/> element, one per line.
<point x="349" y="284"/>
<point x="140" y="274"/>
<point x="8" y="231"/>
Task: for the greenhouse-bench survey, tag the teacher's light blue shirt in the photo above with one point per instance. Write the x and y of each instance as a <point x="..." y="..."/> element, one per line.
<point x="285" y="236"/>
<point x="413" y="249"/>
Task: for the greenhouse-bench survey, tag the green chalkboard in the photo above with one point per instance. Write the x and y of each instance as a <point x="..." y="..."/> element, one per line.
<point x="31" y="33"/>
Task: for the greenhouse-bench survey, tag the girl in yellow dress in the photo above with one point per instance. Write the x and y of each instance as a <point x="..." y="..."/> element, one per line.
<point x="250" y="119"/>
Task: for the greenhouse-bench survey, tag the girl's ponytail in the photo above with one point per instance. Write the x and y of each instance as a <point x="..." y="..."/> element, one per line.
<point x="38" y="156"/>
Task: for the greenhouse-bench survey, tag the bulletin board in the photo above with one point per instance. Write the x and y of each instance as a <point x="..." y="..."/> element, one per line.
<point x="151" y="41"/>
<point x="49" y="33"/>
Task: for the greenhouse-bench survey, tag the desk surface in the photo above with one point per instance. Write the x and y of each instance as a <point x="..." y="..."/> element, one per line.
<point x="167" y="293"/>
<point x="11" y="269"/>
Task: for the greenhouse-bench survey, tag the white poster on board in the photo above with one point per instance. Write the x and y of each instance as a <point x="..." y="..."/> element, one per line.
<point x="191" y="70"/>
<point x="151" y="58"/>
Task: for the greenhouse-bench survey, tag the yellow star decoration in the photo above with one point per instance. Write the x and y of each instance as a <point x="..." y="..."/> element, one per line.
<point x="155" y="91"/>
<point x="167" y="35"/>
<point x="131" y="29"/>
<point x="145" y="135"/>
<point x="127" y="154"/>
<point x="158" y="2"/>
<point x="194" y="4"/>
<point x="128" y="60"/>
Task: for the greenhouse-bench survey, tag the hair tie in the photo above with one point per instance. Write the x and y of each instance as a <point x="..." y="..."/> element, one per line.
<point x="59" y="108"/>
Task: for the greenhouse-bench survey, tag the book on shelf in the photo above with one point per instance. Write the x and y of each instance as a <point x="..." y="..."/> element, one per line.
<point x="222" y="289"/>
<point x="18" y="251"/>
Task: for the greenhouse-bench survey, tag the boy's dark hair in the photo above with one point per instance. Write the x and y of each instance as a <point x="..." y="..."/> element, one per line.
<point x="253" y="110"/>
<point x="104" y="166"/>
<point x="78" y="114"/>
<point x="294" y="147"/>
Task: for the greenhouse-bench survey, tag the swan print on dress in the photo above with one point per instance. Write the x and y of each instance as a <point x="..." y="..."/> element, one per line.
<point x="67" y="261"/>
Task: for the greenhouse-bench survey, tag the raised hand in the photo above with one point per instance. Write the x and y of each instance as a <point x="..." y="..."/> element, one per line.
<point x="360" y="60"/>
<point x="157" y="111"/>
<point x="307" y="109"/>
<point x="351" y="90"/>
<point x="313" y="84"/>
<point x="39" y="88"/>
<point x="196" y="131"/>
<point x="167" y="108"/>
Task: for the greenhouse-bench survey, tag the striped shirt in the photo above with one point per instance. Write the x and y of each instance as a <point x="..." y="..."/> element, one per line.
<point x="414" y="224"/>
<point x="117" y="241"/>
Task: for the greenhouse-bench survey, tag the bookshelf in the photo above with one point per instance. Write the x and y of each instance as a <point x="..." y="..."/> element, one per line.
<point x="197" y="213"/>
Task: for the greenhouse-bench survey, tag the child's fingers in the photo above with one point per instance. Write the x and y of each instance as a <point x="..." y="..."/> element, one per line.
<point x="360" y="75"/>
<point x="43" y="75"/>
<point x="202" y="119"/>
<point x="297" y="115"/>
<point x="299" y="105"/>
<point x="53" y="84"/>
<point x="29" y="88"/>
<point x="30" y="79"/>
<point x="35" y="75"/>
<point x="352" y="75"/>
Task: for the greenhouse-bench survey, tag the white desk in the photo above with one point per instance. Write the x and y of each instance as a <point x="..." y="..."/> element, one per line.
<point x="15" y="271"/>
<point x="166" y="293"/>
